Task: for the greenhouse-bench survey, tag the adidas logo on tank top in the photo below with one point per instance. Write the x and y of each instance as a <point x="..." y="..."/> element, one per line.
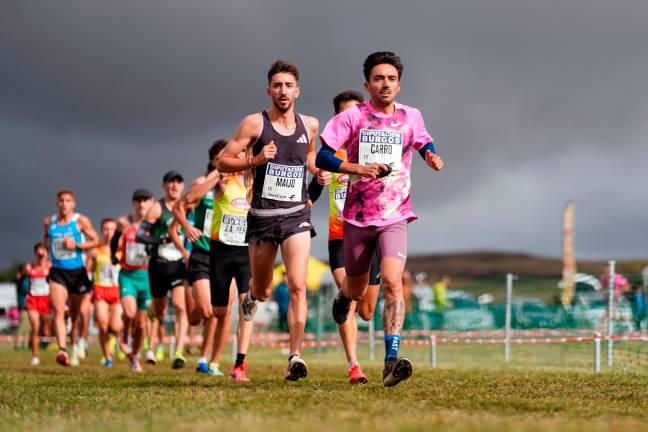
<point x="302" y="139"/>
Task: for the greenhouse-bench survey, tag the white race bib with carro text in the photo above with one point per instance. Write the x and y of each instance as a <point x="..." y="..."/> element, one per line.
<point x="283" y="182"/>
<point x="381" y="146"/>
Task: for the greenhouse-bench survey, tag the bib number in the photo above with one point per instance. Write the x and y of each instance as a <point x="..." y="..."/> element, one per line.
<point x="169" y="252"/>
<point x="136" y="255"/>
<point x="283" y="182"/>
<point x="339" y="197"/>
<point x="60" y="252"/>
<point x="232" y="230"/>
<point x="209" y="215"/>
<point x="39" y="287"/>
<point x="108" y="276"/>
<point x="381" y="146"/>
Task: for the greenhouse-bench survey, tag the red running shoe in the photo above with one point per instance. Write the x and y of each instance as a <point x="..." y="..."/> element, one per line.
<point x="63" y="359"/>
<point x="356" y="376"/>
<point x="238" y="373"/>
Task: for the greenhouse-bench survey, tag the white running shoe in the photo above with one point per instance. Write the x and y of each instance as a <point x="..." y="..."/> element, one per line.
<point x="296" y="369"/>
<point x="74" y="361"/>
<point x="35" y="361"/>
<point x="82" y="349"/>
<point x="150" y="357"/>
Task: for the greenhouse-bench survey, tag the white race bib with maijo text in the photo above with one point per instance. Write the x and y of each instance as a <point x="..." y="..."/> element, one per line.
<point x="283" y="182"/>
<point x="232" y="229"/>
<point x="381" y="146"/>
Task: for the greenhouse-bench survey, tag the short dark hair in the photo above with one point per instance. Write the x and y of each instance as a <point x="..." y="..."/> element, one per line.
<point x="216" y="148"/>
<point x="107" y="220"/>
<point x="346" y="96"/>
<point x="65" y="192"/>
<point x="382" y="57"/>
<point x="39" y="245"/>
<point x="283" y="66"/>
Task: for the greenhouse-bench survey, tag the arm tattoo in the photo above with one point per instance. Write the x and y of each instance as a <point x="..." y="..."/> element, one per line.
<point x="393" y="317"/>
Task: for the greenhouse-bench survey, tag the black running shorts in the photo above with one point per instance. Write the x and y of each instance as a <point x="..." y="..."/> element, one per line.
<point x="276" y="229"/>
<point x="226" y="263"/>
<point x="198" y="265"/>
<point x="76" y="281"/>
<point x="164" y="276"/>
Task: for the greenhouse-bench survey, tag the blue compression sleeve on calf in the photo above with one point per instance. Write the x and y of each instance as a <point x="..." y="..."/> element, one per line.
<point x="392" y="343"/>
<point x="425" y="148"/>
<point x="327" y="160"/>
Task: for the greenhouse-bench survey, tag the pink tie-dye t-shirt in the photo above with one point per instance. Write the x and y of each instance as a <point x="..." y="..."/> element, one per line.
<point x="374" y="137"/>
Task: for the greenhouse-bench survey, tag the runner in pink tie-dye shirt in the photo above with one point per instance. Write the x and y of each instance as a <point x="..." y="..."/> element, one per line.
<point x="380" y="137"/>
<point x="371" y="136"/>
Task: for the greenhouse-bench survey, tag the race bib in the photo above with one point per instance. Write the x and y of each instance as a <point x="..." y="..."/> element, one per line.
<point x="39" y="287"/>
<point x="209" y="215"/>
<point x="381" y="146"/>
<point x="283" y="182"/>
<point x="339" y="197"/>
<point x="232" y="230"/>
<point x="136" y="255"/>
<point x="108" y="276"/>
<point x="169" y="252"/>
<point x="60" y="252"/>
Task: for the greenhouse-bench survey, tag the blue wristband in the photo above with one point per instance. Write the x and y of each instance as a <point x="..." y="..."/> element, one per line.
<point x="425" y="148"/>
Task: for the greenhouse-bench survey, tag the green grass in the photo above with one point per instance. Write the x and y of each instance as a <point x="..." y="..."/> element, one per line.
<point x="458" y="396"/>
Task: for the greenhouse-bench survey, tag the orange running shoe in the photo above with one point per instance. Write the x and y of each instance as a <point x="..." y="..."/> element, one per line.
<point x="238" y="373"/>
<point x="63" y="359"/>
<point x="356" y="376"/>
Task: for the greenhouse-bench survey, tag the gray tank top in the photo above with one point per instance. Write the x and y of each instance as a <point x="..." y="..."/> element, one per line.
<point x="281" y="183"/>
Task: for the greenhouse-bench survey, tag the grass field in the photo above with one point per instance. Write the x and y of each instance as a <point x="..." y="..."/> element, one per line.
<point x="50" y="397"/>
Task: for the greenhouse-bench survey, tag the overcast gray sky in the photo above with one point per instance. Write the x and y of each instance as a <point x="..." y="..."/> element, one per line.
<point x="531" y="103"/>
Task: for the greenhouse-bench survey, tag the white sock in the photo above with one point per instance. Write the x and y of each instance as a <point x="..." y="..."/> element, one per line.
<point x="202" y="360"/>
<point x="352" y="362"/>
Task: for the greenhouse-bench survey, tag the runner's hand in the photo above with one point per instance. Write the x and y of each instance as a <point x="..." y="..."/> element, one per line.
<point x="323" y="177"/>
<point x="69" y="243"/>
<point x="268" y="152"/>
<point x="309" y="204"/>
<point x="434" y="161"/>
<point x="372" y="171"/>
<point x="192" y="233"/>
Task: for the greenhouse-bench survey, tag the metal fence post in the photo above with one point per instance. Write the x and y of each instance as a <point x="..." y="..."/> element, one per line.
<point x="372" y="340"/>
<point x="610" y="329"/>
<point x="433" y="350"/>
<point x="234" y="346"/>
<point x="507" y="328"/>
<point x="597" y="353"/>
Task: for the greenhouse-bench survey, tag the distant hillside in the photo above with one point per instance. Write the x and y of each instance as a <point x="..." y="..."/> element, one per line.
<point x="475" y="265"/>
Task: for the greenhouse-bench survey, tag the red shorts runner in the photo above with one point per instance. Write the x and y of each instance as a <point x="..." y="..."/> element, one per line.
<point x="108" y="294"/>
<point x="40" y="304"/>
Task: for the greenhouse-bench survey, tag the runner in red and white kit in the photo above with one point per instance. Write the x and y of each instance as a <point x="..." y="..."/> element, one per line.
<point x="134" y="286"/>
<point x="38" y="302"/>
<point x="380" y="137"/>
<point x="337" y="196"/>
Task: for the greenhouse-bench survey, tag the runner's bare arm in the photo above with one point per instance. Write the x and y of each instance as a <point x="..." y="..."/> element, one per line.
<point x="246" y="134"/>
<point x="143" y="235"/>
<point x="175" y="238"/>
<point x="46" y="224"/>
<point x="188" y="202"/>
<point x="85" y="226"/>
<point x="323" y="177"/>
<point x="327" y="160"/>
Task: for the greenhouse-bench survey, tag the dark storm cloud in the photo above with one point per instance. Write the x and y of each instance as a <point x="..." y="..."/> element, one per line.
<point x="531" y="103"/>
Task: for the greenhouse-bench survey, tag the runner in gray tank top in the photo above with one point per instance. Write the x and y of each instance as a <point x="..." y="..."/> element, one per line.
<point x="283" y="149"/>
